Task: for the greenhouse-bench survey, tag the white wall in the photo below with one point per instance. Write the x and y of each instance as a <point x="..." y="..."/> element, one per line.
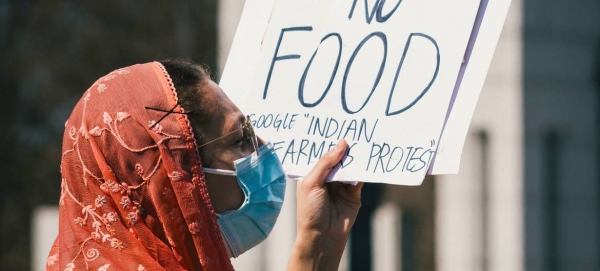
<point x="460" y="201"/>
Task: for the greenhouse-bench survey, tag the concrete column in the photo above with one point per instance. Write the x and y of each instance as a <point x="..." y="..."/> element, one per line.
<point x="386" y="238"/>
<point x="43" y="232"/>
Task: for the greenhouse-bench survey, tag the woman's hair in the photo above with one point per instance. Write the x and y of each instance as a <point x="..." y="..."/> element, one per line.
<point x="188" y="78"/>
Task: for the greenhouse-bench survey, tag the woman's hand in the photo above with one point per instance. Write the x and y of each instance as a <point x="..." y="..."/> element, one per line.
<point x="326" y="213"/>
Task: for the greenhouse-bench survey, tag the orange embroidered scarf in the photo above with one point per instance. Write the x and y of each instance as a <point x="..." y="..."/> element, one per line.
<point x="133" y="194"/>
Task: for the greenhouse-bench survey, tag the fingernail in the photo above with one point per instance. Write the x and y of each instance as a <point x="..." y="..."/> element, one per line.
<point x="338" y="146"/>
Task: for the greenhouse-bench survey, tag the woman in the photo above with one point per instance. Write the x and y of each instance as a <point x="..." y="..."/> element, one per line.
<point x="161" y="171"/>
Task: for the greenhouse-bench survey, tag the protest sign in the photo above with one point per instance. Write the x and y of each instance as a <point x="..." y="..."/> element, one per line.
<point x="384" y="75"/>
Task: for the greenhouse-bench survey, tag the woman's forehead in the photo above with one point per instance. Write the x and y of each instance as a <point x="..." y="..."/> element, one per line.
<point x="217" y="98"/>
<point x="219" y="107"/>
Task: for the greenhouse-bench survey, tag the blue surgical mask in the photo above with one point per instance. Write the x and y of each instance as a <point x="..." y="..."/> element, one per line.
<point x="262" y="179"/>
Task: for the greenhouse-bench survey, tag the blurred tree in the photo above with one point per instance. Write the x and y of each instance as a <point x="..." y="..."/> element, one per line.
<point x="51" y="52"/>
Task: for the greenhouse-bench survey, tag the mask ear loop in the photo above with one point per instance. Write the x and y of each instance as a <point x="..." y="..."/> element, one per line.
<point x="232" y="132"/>
<point x="223" y="172"/>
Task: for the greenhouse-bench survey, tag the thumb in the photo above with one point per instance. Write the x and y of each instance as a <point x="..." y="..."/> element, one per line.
<point x="316" y="177"/>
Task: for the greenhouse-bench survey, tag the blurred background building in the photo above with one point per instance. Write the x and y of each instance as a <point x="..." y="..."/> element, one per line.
<point x="527" y="196"/>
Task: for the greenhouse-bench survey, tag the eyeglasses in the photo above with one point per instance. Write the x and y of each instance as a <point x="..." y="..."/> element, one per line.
<point x="247" y="128"/>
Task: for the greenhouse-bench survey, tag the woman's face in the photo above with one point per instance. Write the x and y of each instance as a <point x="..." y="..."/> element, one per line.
<point x="223" y="123"/>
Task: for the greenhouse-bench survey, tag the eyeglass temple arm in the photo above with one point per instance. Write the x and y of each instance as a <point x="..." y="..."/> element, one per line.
<point x="234" y="131"/>
<point x="254" y="140"/>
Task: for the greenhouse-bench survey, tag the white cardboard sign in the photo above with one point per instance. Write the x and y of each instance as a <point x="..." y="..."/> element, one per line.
<point x="386" y="75"/>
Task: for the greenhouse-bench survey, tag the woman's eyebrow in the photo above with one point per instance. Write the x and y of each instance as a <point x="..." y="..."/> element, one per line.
<point x="237" y="125"/>
<point x="241" y="120"/>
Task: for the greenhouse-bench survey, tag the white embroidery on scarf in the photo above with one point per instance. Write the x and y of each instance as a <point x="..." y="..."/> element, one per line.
<point x="113" y="129"/>
<point x="52" y="259"/>
<point x="176" y="175"/>
<point x="101" y="88"/>
<point x="96" y="131"/>
<point x="61" y="200"/>
<point x="157" y="128"/>
<point x="100" y="200"/>
<point x="83" y="132"/>
<point x="111" y="217"/>
<point x="92" y="254"/>
<point x="72" y="133"/>
<point x="139" y="169"/>
<point x="132" y="217"/>
<point x="109" y="77"/>
<point x="122" y="115"/>
<point x="125" y="203"/>
<point x="103" y="231"/>
<point x="196" y="227"/>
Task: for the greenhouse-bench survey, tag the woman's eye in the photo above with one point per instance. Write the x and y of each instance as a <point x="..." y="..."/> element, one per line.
<point x="241" y="140"/>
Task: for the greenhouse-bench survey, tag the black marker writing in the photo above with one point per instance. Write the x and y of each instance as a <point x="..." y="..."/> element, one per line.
<point x="355" y="130"/>
<point x="376" y="10"/>
<point x="277" y="57"/>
